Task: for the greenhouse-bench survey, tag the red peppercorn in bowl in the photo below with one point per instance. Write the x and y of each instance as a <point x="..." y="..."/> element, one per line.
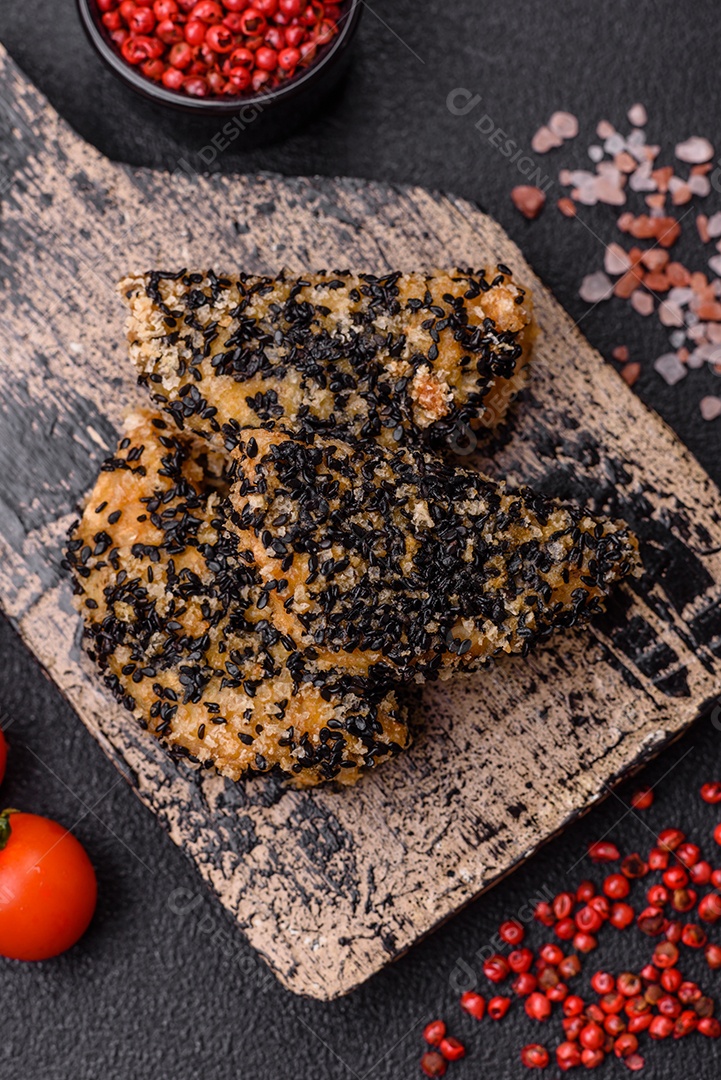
<point x="216" y="56"/>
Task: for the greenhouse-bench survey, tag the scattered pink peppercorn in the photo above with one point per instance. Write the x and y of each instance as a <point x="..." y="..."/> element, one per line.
<point x="604" y="851"/>
<point x="451" y="1048"/>
<point x="434" y="1032"/>
<point x="535" y="1056"/>
<point x="498" y="1007"/>
<point x="520" y="960"/>
<point x="524" y="984"/>
<point x="616" y="887"/>
<point x="473" y="1004"/>
<point x="653" y="1001"/>
<point x="622" y="915"/>
<point x="496" y="968"/>
<point x="713" y="956"/>
<point x="642" y="799"/>
<point x="512" y="932"/>
<point x="537" y="1006"/>
<point x="568" y="1056"/>
<point x="433" y="1064"/>
<point x="670" y="839"/>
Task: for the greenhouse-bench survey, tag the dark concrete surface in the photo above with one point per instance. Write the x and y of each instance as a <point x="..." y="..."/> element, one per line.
<point x="162" y="987"/>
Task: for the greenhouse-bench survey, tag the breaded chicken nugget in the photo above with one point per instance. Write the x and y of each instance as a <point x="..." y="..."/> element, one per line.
<point x="398" y="564"/>
<point x="183" y="644"/>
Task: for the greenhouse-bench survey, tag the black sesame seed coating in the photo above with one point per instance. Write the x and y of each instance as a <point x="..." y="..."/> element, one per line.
<point x="395" y="563"/>
<point x="175" y="620"/>
<point x="393" y="359"/>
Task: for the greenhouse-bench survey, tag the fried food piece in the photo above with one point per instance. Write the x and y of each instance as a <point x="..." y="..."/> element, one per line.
<point x="397" y="563"/>
<point x="183" y="644"/>
<point x="394" y="359"/>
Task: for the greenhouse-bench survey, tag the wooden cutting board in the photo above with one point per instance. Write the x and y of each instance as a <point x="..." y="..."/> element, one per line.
<point x="329" y="887"/>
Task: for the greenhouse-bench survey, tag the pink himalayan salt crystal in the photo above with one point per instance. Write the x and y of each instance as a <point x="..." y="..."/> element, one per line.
<point x="697" y="332"/>
<point x="681" y="295"/>
<point x="595" y="287"/>
<point x="670" y="368"/>
<point x="545" y="140"/>
<point x="529" y="200"/>
<point x="605" y="129"/>
<point x="642" y="302"/>
<point x="710" y="407"/>
<point x="614" y="144"/>
<point x="715" y="264"/>
<point x="713" y="225"/>
<point x="642" y="180"/>
<point x="609" y="191"/>
<point x="564" y="124"/>
<point x="700" y="185"/>
<point x="694" y="151"/>
<point x="670" y="314"/>
<point x="616" y="260"/>
<point x="681" y="195"/>
<point x="637" y="115"/>
<point x="636" y="143"/>
<point x="586" y="194"/>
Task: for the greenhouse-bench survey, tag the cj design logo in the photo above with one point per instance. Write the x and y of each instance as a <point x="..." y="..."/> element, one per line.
<point x="463" y="102"/>
<point x="182" y="901"/>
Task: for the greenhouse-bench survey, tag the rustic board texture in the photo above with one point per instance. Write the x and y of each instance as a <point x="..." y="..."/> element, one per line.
<point x="330" y="886"/>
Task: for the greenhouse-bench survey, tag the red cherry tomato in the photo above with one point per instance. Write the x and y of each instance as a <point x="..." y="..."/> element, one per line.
<point x="47" y="887"/>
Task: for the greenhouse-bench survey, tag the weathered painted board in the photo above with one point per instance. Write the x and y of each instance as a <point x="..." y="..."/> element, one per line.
<point x="331" y="886"/>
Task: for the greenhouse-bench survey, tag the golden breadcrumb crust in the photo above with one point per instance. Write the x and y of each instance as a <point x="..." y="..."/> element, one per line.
<point x="397" y="562"/>
<point x="174" y="627"/>
<point x="398" y="358"/>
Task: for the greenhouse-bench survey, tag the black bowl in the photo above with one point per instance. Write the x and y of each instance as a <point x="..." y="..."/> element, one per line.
<point x="260" y="116"/>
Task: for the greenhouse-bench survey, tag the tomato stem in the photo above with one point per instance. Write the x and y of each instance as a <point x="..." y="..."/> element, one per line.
<point x="5" y="830"/>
